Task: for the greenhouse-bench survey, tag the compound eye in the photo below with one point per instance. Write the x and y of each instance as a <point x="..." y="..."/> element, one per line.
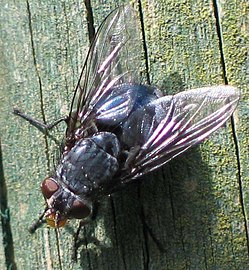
<point x="79" y="210"/>
<point x="49" y="187"/>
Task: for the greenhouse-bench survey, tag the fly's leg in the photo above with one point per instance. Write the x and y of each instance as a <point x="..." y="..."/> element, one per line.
<point x="77" y="242"/>
<point x="39" y="125"/>
<point x="148" y="230"/>
<point x="38" y="223"/>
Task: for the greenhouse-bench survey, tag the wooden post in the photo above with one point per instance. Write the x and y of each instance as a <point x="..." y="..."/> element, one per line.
<point x="196" y="206"/>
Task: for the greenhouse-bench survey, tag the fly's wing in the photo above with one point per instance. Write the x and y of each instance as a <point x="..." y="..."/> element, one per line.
<point x="170" y="125"/>
<point x="113" y="59"/>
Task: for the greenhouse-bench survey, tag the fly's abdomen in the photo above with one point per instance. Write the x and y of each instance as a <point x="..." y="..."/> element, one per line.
<point x="90" y="164"/>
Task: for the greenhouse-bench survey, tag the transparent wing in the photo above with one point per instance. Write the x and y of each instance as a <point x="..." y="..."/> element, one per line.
<point x="172" y="124"/>
<point x="113" y="59"/>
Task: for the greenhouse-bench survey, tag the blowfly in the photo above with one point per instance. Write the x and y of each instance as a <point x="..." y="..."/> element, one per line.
<point x="119" y="129"/>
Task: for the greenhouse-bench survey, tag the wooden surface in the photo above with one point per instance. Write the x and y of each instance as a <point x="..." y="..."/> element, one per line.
<point x="197" y="206"/>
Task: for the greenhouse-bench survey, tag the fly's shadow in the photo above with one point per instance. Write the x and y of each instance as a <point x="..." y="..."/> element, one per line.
<point x="152" y="216"/>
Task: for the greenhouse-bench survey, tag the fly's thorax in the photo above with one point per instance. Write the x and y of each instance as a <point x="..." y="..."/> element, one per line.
<point x="63" y="204"/>
<point x="90" y="165"/>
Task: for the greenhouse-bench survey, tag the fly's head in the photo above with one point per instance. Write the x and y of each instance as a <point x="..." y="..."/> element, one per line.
<point x="62" y="204"/>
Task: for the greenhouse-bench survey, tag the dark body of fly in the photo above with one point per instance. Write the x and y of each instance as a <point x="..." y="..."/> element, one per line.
<point x="119" y="129"/>
<point x="92" y="165"/>
<point x="98" y="164"/>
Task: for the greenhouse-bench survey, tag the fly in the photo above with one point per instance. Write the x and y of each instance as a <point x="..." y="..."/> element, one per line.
<point x="118" y="129"/>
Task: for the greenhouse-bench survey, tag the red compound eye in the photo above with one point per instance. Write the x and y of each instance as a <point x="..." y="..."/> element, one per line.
<point x="49" y="187"/>
<point x="79" y="210"/>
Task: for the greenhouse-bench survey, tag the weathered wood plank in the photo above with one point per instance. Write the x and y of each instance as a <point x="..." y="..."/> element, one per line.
<point x="235" y="22"/>
<point x="193" y="206"/>
<point x="40" y="65"/>
<point x="183" y="35"/>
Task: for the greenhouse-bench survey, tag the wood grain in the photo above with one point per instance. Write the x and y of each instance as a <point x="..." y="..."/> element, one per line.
<point x="196" y="206"/>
